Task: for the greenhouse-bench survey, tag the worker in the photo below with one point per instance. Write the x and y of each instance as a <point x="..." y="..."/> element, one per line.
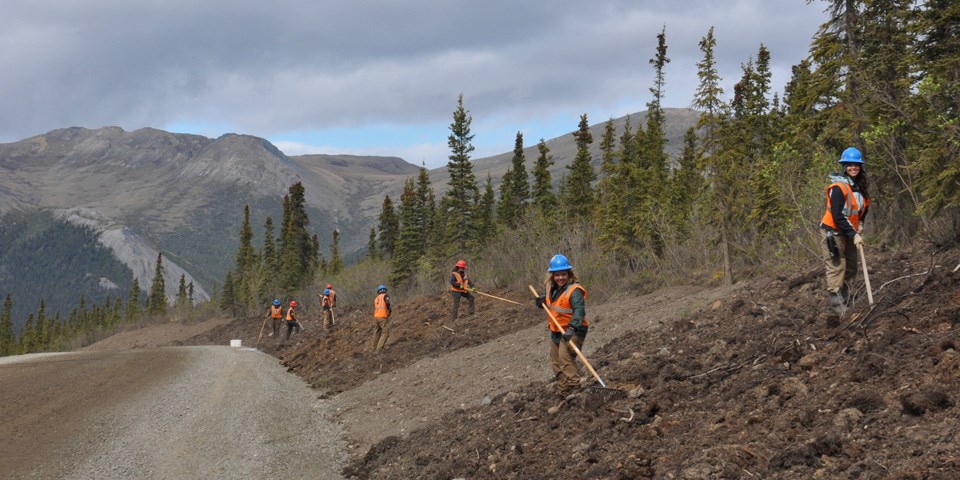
<point x="460" y="287"/>
<point x="326" y="303"/>
<point x="292" y="322"/>
<point x="333" y="304"/>
<point x="847" y="201"/>
<point x="566" y="300"/>
<point x="333" y="295"/>
<point x="276" y="314"/>
<point x="381" y="314"/>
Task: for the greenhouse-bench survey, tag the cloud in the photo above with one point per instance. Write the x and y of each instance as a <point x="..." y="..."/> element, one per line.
<point x="270" y="68"/>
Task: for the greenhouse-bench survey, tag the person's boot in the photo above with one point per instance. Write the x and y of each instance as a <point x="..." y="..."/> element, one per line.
<point x="837" y="302"/>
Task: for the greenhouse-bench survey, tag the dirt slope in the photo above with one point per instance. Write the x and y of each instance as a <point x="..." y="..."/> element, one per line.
<point x="756" y="381"/>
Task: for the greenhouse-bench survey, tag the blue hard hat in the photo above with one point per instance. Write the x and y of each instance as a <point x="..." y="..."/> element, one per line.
<point x="381" y="288"/>
<point x="851" y="155"/>
<point x="326" y="291"/>
<point x="276" y="302"/>
<point x="559" y="263"/>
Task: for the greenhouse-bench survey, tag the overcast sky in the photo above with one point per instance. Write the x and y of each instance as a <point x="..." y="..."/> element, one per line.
<point x="370" y="77"/>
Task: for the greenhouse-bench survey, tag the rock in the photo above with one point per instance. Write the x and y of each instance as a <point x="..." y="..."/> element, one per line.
<point x="847" y="419"/>
<point x="925" y="400"/>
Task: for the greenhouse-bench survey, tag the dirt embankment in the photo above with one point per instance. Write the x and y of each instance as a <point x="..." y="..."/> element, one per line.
<point x="755" y="381"/>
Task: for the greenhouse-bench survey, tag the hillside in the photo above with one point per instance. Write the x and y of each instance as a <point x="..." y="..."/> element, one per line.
<point x="758" y="381"/>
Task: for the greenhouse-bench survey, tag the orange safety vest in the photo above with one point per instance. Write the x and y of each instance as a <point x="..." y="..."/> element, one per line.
<point x="561" y="308"/>
<point x="325" y="301"/>
<point x="852" y="210"/>
<point x="276" y="312"/>
<point x="333" y="297"/>
<point x="291" y="317"/>
<point x="461" y="280"/>
<point x="380" y="307"/>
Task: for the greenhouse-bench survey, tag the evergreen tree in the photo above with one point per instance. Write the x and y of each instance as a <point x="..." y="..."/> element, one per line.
<point x="336" y="263"/>
<point x="182" y="291"/>
<point x="42" y="337"/>
<point x="373" y="251"/>
<point x="409" y="247"/>
<point x="300" y="253"/>
<point x="389" y="228"/>
<point x="270" y="261"/>
<point x="157" y="302"/>
<point x="243" y="272"/>
<point x="543" y="198"/>
<point x="7" y="338"/>
<point x="577" y="185"/>
<point x="519" y="184"/>
<point x="462" y="191"/>
<point x="190" y="293"/>
<point x="425" y="206"/>
<point x="507" y="208"/>
<point x="133" y="312"/>
<point x="27" y="336"/>
<point x="227" y="298"/>
<point x="486" y="228"/>
<point x="686" y="185"/>
<point x="610" y="194"/>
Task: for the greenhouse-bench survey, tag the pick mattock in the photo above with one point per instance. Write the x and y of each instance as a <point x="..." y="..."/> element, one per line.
<point x="474" y="290"/>
<point x="603" y="385"/>
<point x="866" y="276"/>
<point x="261" y="330"/>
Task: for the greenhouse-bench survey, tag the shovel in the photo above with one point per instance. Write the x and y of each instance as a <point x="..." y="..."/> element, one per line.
<point x="866" y="276"/>
<point x="603" y="385"/>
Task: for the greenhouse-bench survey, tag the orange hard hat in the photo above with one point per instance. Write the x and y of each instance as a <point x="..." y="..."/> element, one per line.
<point x="461" y="264"/>
<point x="329" y="286"/>
<point x="293" y="303"/>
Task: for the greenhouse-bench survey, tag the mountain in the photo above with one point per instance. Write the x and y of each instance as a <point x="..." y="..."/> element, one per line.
<point x="149" y="190"/>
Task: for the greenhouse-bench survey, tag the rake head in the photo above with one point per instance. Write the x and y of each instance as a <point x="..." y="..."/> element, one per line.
<point x="607" y="391"/>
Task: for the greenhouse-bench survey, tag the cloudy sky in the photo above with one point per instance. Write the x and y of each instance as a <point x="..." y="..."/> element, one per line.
<point x="377" y="77"/>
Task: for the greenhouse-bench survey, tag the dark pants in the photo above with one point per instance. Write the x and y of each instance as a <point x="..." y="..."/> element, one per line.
<point x="456" y="303"/>
<point x="291" y="326"/>
<point x="276" y="327"/>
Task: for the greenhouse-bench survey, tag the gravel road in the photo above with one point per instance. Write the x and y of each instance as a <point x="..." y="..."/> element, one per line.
<point x="184" y="412"/>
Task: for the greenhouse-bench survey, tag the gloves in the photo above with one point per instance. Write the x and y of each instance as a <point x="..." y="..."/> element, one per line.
<point x="857" y="239"/>
<point x="538" y="302"/>
<point x="569" y="333"/>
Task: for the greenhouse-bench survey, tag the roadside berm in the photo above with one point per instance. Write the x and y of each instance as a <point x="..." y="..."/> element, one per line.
<point x="758" y="380"/>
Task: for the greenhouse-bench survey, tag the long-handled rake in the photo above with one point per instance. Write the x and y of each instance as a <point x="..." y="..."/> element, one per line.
<point x="866" y="276"/>
<point x="603" y="388"/>
<point x="474" y="290"/>
<point x="261" y="330"/>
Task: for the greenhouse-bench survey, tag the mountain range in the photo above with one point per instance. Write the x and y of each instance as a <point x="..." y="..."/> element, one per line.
<point x="150" y="191"/>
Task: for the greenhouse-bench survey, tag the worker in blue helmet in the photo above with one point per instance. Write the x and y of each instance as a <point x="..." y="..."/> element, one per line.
<point x="276" y="315"/>
<point x="847" y="201"/>
<point x="326" y="304"/>
<point x="566" y="299"/>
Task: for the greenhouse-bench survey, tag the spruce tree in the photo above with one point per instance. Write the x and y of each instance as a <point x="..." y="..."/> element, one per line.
<point x="7" y="338"/>
<point x="507" y="208"/>
<point x="486" y="228"/>
<point x="462" y="192"/>
<point x="227" y="298"/>
<point x="300" y="253"/>
<point x="133" y="312"/>
<point x="425" y="206"/>
<point x="27" y="336"/>
<point x="190" y="293"/>
<point x="578" y="183"/>
<point x="157" y="302"/>
<point x="409" y="247"/>
<point x="243" y="271"/>
<point x="336" y="263"/>
<point x="519" y="183"/>
<point x="686" y="183"/>
<point x="270" y="261"/>
<point x="543" y="197"/>
<point x="182" y="291"/>
<point x="373" y="251"/>
<point x="610" y="194"/>
<point x="389" y="228"/>
<point x="42" y="337"/>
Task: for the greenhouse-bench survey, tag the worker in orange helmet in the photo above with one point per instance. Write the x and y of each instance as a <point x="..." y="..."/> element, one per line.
<point x="381" y="314"/>
<point x="292" y="322"/>
<point x="460" y="287"/>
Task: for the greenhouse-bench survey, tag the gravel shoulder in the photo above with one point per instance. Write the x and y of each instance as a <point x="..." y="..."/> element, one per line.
<point x="184" y="412"/>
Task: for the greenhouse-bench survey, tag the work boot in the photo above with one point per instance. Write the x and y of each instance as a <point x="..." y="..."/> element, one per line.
<point x="837" y="302"/>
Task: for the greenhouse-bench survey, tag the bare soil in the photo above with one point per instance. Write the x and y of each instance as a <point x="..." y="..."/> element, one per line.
<point x="758" y="380"/>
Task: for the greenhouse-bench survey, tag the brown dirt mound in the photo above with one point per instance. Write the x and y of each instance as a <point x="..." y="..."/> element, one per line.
<point x="762" y="384"/>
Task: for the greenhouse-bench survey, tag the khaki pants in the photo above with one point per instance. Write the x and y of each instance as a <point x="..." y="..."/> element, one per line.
<point x="563" y="361"/>
<point x="842" y="271"/>
<point x="327" y="319"/>
<point x="381" y="333"/>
